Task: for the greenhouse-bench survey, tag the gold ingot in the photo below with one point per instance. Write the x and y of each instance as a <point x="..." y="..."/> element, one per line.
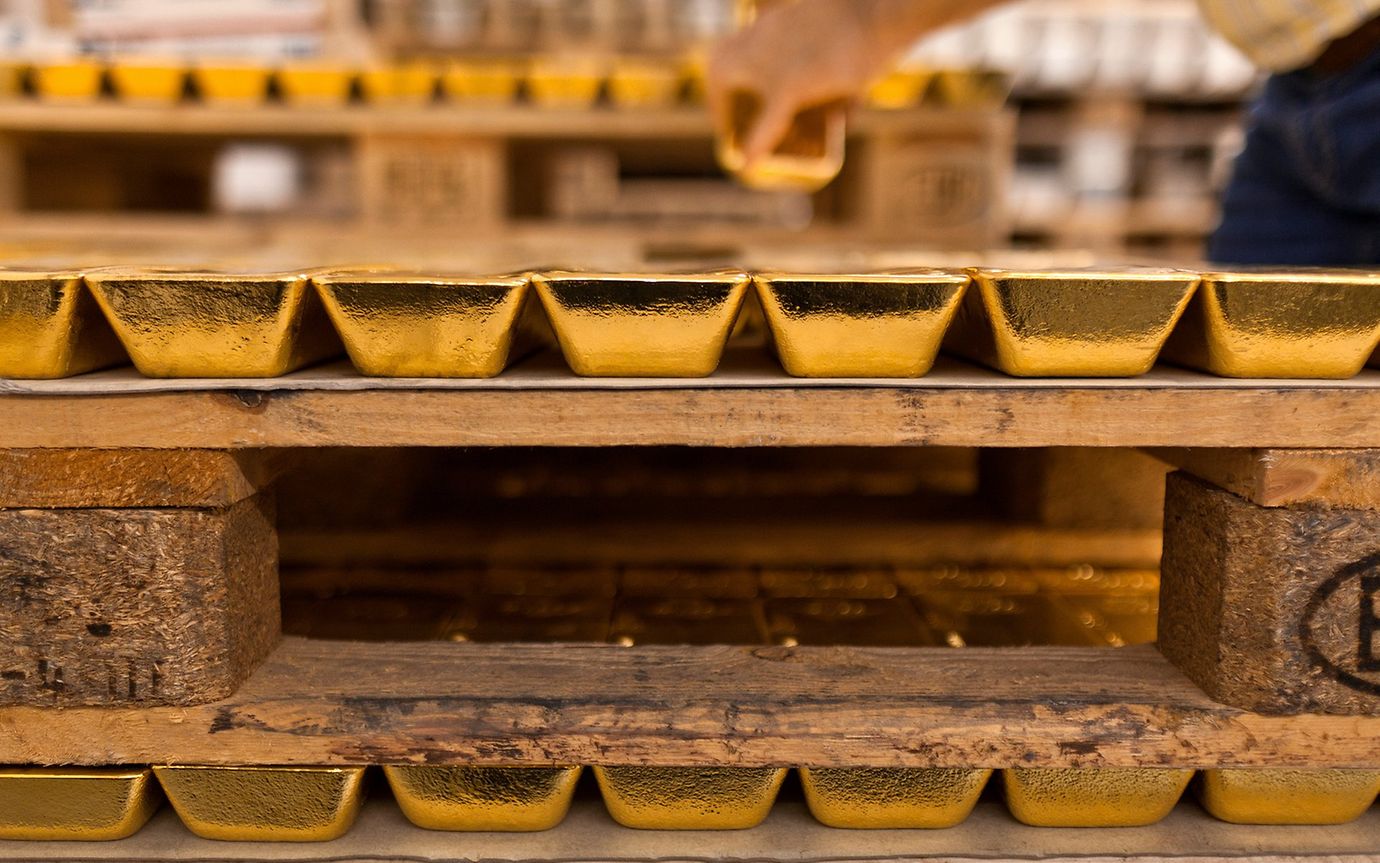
<point x="904" y="88"/>
<point x="1070" y="323"/>
<point x="74" y="805"/>
<point x="231" y="84"/>
<point x="412" y="325"/>
<point x="315" y="84"/>
<point x="499" y="799"/>
<point x="407" y="82"/>
<point x="193" y="324"/>
<point x="50" y="327"/>
<point x="689" y="798"/>
<point x="616" y="325"/>
<point x="566" y="81"/>
<point x="885" y="325"/>
<point x="1288" y="796"/>
<point x="1103" y="797"/>
<point x="1281" y="324"/>
<point x="152" y="82"/>
<point x="75" y="80"/>
<point x="892" y="798"/>
<point x="492" y="80"/>
<point x="265" y="804"/>
<point x="971" y="88"/>
<point x="11" y="79"/>
<point x="807" y="159"/>
<point x="645" y="84"/>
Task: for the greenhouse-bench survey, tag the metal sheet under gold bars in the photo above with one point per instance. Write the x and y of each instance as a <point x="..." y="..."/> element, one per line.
<point x="265" y="804"/>
<point x="183" y="324"/>
<point x="621" y="325"/>
<point x="806" y="159"/>
<point x="1287" y="796"/>
<point x="884" y="325"/>
<point x="1281" y="324"/>
<point x="892" y="797"/>
<point x="1106" y="797"/>
<point x="397" y="324"/>
<point x="51" y="327"/>
<point x="689" y="798"/>
<point x="502" y="799"/>
<point x="71" y="804"/>
<point x="1070" y="323"/>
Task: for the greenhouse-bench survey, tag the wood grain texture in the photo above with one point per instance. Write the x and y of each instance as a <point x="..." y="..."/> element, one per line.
<point x="95" y="478"/>
<point x="321" y="702"/>
<point x="1271" y="609"/>
<point x="1275" y="477"/>
<point x="1018" y="415"/>
<point x="131" y="606"/>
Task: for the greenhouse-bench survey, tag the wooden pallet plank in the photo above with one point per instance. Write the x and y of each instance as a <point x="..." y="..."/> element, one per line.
<point x="91" y="478"/>
<point x="321" y="702"/>
<point x="1286" y="477"/>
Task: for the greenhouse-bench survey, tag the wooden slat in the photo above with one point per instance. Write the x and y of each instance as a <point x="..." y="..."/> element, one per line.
<point x="1275" y="477"/>
<point x="58" y="478"/>
<point x="437" y="702"/>
<point x="1014" y="415"/>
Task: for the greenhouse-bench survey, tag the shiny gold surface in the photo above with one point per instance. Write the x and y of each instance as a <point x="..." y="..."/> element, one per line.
<point x="483" y="80"/>
<point x="1107" y="797"/>
<point x="231" y="84"/>
<point x="637" y="83"/>
<point x="807" y="159"/>
<point x="1282" y="324"/>
<point x="199" y="324"/>
<point x="1288" y="796"/>
<point x="505" y="799"/>
<point x="901" y="89"/>
<point x="565" y="81"/>
<point x="892" y="798"/>
<point x="76" y="80"/>
<point x="265" y="804"/>
<point x="869" y="326"/>
<point x="1070" y="323"/>
<point x="411" y="325"/>
<point x="50" y="327"/>
<point x="315" y="84"/>
<point x="689" y="798"/>
<point x="153" y="82"/>
<point x="71" y="804"/>
<point x="971" y="88"/>
<point x="406" y="82"/>
<point x="642" y="325"/>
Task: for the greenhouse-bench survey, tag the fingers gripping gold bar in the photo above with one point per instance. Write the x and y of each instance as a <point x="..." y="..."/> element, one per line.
<point x="51" y="327"/>
<point x="1070" y="323"/>
<point x="1107" y="797"/>
<point x="892" y="798"/>
<point x="883" y="325"/>
<point x="265" y="804"/>
<point x="619" y="325"/>
<point x="689" y="798"/>
<point x="1288" y="796"/>
<point x="71" y="804"/>
<point x="807" y="159"/>
<point x="191" y="324"/>
<point x="502" y="799"/>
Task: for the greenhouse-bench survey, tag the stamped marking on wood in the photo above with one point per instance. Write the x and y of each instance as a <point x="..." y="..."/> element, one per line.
<point x="1354" y="586"/>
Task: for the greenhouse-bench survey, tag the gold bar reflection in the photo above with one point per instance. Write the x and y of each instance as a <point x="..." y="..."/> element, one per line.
<point x="51" y="327"/>
<point x="689" y="798"/>
<point x="892" y="798"/>
<point x="1105" y="797"/>
<point x="72" y="804"/>
<point x="616" y="325"/>
<point x="265" y="804"/>
<point x="1070" y="323"/>
<point x="202" y="324"/>
<point x="885" y="325"/>
<point x="1271" y="796"/>
<point x="1281" y="324"/>
<point x="503" y="799"/>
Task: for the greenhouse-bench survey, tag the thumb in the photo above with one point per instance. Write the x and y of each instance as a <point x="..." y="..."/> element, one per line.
<point x="771" y="127"/>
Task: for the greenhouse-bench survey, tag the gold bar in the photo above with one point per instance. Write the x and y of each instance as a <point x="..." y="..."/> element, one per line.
<point x="150" y="81"/>
<point x="904" y="88"/>
<point x="194" y="324"/>
<point x="807" y="159"/>
<point x="566" y="81"/>
<point x="397" y="324"/>
<point x="411" y="83"/>
<point x="1288" y="796"/>
<point x="73" y="81"/>
<point x="499" y="799"/>
<point x="883" y="325"/>
<point x="971" y="88"/>
<point x="493" y="81"/>
<point x="686" y="581"/>
<point x="316" y="84"/>
<point x="1105" y="797"/>
<point x="869" y="622"/>
<point x="1281" y="324"/>
<point x="534" y="618"/>
<point x="618" y="325"/>
<point x="231" y="84"/>
<point x="689" y="798"/>
<point x="892" y="798"/>
<point x="265" y="804"/>
<point x="636" y="83"/>
<point x="849" y="582"/>
<point x="51" y="327"/>
<point x="75" y="805"/>
<point x="1070" y="323"/>
<point x="687" y="620"/>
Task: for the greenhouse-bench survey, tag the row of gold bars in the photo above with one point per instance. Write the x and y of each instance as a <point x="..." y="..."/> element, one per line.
<point x="1039" y="323"/>
<point x="320" y="803"/>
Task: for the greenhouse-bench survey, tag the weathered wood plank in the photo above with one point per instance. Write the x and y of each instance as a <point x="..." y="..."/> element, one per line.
<point x="103" y="478"/>
<point x="1015" y="415"/>
<point x="134" y="606"/>
<point x="1275" y="477"/>
<point x="320" y="702"/>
